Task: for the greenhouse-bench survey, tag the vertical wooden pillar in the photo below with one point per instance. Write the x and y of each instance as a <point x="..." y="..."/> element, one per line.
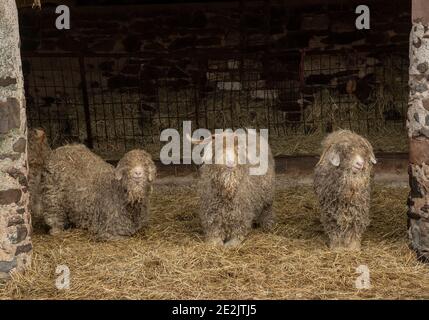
<point x="418" y="130"/>
<point x="15" y="230"/>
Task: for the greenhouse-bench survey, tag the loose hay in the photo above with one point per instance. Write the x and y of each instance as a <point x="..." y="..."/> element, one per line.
<point x="170" y="261"/>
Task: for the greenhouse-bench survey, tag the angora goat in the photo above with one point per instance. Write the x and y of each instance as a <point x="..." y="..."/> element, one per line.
<point x="38" y="153"/>
<point x="82" y="189"/>
<point x="231" y="198"/>
<point x="342" y="184"/>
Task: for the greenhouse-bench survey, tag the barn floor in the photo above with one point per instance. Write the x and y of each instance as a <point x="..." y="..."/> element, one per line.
<point x="170" y="261"/>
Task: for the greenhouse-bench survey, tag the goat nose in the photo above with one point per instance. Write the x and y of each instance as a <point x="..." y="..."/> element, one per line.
<point x="358" y="165"/>
<point x="138" y="173"/>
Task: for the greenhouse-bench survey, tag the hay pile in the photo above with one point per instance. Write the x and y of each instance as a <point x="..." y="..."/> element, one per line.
<point x="391" y="140"/>
<point x="169" y="261"/>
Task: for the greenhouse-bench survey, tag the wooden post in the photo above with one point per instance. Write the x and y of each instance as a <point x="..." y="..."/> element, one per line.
<point x="418" y="130"/>
<point x="15" y="229"/>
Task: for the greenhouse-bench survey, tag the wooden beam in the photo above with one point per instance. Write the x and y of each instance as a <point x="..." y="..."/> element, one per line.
<point x="420" y="10"/>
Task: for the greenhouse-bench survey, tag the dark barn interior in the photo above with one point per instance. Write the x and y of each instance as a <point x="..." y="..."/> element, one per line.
<point x="123" y="73"/>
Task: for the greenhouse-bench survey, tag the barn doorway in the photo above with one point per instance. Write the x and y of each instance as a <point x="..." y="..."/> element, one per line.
<point x="126" y="71"/>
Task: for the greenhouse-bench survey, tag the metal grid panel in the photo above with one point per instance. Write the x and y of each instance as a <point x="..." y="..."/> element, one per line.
<point x="102" y="101"/>
<point x="54" y="97"/>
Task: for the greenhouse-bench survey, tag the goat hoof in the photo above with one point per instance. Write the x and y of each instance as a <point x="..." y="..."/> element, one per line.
<point x="215" y="242"/>
<point x="233" y="243"/>
<point x="55" y="231"/>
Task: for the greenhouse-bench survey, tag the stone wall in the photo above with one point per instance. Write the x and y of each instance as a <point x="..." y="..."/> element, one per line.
<point x="418" y="132"/>
<point x="176" y="28"/>
<point x="15" y="230"/>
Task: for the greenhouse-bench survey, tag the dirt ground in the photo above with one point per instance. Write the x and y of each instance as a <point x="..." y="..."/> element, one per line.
<point x="170" y="261"/>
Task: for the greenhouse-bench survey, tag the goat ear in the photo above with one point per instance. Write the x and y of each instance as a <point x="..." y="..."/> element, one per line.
<point x="372" y="159"/>
<point x="118" y="173"/>
<point x="152" y="174"/>
<point x="334" y="158"/>
<point x="40" y="135"/>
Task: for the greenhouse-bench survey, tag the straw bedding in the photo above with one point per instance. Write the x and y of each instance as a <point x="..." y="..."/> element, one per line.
<point x="170" y="261"/>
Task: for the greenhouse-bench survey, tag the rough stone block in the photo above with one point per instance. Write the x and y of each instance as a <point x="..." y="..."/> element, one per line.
<point x="7" y="266"/>
<point x="20" y="145"/>
<point x="4" y="82"/>
<point x="229" y="86"/>
<point x="132" y="43"/>
<point x="10" y="111"/>
<point x="13" y="156"/>
<point x="23" y="249"/>
<point x="19" y="234"/>
<point x="315" y="22"/>
<point x="182" y="43"/>
<point x="10" y="196"/>
<point x="15" y="220"/>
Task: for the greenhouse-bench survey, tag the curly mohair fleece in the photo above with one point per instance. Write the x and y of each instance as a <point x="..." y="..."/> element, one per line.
<point x="38" y="153"/>
<point x="344" y="195"/>
<point x="81" y="189"/>
<point x="232" y="201"/>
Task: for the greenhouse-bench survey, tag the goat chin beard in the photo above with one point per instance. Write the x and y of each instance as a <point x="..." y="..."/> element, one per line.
<point x="135" y="196"/>
<point x="228" y="182"/>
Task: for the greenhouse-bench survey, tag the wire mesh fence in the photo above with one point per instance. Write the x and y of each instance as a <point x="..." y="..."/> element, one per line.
<point x="114" y="103"/>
